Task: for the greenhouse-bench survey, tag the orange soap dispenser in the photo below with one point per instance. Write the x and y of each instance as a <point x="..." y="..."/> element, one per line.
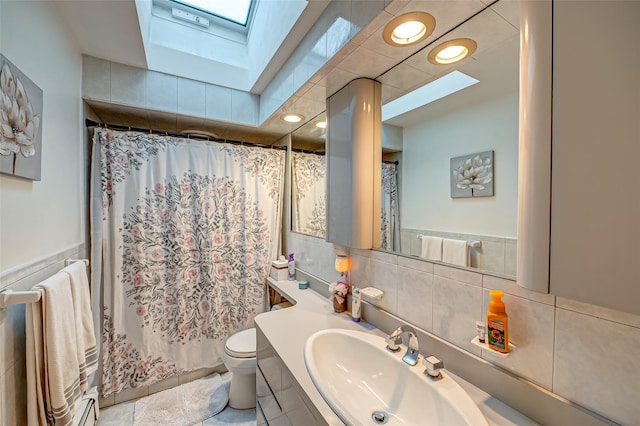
<point x="497" y="323"/>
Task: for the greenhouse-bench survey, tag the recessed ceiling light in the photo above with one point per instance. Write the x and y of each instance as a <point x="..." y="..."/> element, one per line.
<point x="292" y="118"/>
<point x="321" y="124"/>
<point x="452" y="51"/>
<point x="408" y="29"/>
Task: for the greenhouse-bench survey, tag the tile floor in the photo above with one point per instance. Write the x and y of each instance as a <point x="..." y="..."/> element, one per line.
<point x="122" y="415"/>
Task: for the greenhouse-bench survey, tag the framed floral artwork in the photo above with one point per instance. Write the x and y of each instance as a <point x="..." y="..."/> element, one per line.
<point x="472" y="175"/>
<point x="20" y="123"/>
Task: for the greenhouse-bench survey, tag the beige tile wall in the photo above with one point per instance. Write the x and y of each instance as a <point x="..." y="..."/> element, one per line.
<point x="495" y="254"/>
<point x="13" y="384"/>
<point x="587" y="354"/>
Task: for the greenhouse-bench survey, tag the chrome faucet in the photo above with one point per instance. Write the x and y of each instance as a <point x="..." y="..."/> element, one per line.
<point x="395" y="339"/>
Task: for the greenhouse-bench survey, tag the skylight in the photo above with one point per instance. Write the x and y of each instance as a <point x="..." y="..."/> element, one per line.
<point x="437" y="89"/>
<point x="237" y="11"/>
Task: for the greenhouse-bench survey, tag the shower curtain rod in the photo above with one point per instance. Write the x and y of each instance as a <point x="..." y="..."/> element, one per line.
<point x="308" y="151"/>
<point x="91" y="123"/>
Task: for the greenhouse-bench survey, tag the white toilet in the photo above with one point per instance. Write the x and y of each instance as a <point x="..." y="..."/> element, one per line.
<point x="240" y="359"/>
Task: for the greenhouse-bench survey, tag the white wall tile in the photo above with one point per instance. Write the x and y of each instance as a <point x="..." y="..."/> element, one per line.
<point x="190" y="376"/>
<point x="12" y="333"/>
<point x="415" y="297"/>
<point x="96" y="78"/>
<point x="218" y="102"/>
<point x="510" y="257"/>
<point x="368" y="272"/>
<point x="106" y="402"/>
<point x="127" y="85"/>
<point x="420" y="265"/>
<point x="14" y="394"/>
<point x="383" y="256"/>
<point x="191" y="97"/>
<point x="462" y="275"/>
<point x="165" y="384"/>
<point x="508" y="286"/>
<point x="490" y="256"/>
<point x="456" y="308"/>
<point x="131" y="393"/>
<point x="599" y="311"/>
<point x="531" y="329"/>
<point x="360" y="270"/>
<point x="244" y="107"/>
<point x="596" y="365"/>
<point x="162" y="92"/>
<point x="385" y="277"/>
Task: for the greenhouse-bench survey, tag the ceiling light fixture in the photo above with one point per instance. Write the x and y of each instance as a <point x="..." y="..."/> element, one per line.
<point x="292" y="118"/>
<point x="452" y="51"/>
<point x="409" y="28"/>
<point x="321" y="124"/>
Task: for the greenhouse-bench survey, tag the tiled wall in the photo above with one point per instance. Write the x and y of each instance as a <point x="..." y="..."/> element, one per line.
<point x="13" y="385"/>
<point x="495" y="254"/>
<point x="125" y="85"/>
<point x="587" y="354"/>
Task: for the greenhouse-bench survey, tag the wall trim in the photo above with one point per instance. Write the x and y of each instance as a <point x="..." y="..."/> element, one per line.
<point x="12" y="275"/>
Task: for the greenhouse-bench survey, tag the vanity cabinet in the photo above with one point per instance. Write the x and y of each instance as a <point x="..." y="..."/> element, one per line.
<point x="279" y="397"/>
<point x="594" y="245"/>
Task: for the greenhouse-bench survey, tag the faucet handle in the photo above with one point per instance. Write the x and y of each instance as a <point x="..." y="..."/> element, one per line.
<point x="393" y="343"/>
<point x="433" y="366"/>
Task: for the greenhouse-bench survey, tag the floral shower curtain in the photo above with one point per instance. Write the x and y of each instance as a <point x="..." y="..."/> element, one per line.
<point x="183" y="246"/>
<point x="309" y="193"/>
<point x="390" y="233"/>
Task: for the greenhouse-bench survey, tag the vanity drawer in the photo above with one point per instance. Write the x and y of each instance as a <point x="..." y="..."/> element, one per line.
<point x="266" y="398"/>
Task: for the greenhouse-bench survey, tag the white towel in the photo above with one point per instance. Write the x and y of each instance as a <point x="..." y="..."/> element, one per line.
<point x="36" y="411"/>
<point x="85" y="336"/>
<point x="456" y="252"/>
<point x="53" y="378"/>
<point x="431" y="247"/>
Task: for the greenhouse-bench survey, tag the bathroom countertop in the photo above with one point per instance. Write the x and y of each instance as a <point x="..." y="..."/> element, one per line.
<point x="288" y="330"/>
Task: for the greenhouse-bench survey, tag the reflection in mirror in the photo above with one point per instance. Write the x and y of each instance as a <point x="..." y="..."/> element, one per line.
<point x="420" y="141"/>
<point x="308" y="173"/>
<point x="477" y="118"/>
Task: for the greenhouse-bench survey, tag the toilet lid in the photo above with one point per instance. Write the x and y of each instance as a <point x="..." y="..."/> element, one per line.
<point x="242" y="344"/>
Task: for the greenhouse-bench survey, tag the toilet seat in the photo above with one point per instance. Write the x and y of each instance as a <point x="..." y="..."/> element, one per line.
<point x="242" y="344"/>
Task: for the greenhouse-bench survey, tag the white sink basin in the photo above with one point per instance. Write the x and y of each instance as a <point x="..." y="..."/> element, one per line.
<point x="358" y="376"/>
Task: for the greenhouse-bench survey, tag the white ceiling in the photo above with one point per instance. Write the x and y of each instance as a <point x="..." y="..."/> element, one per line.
<point x="106" y="29"/>
<point x="109" y="29"/>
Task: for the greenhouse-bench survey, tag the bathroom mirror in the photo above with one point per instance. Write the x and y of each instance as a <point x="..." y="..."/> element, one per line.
<point x="421" y="144"/>
<point x="308" y="178"/>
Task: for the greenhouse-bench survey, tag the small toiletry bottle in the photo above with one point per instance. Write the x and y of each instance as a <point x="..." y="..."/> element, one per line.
<point x="356" y="304"/>
<point x="482" y="331"/>
<point x="497" y="323"/>
<point x="291" y="268"/>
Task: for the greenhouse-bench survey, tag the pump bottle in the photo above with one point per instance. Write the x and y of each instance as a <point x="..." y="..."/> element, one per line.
<point x="497" y="323"/>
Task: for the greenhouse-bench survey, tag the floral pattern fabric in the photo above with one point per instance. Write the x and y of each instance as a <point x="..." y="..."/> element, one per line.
<point x="309" y="193"/>
<point x="189" y="230"/>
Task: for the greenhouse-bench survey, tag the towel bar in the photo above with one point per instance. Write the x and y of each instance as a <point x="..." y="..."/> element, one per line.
<point x="10" y="297"/>
<point x="469" y="243"/>
<point x="68" y="262"/>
